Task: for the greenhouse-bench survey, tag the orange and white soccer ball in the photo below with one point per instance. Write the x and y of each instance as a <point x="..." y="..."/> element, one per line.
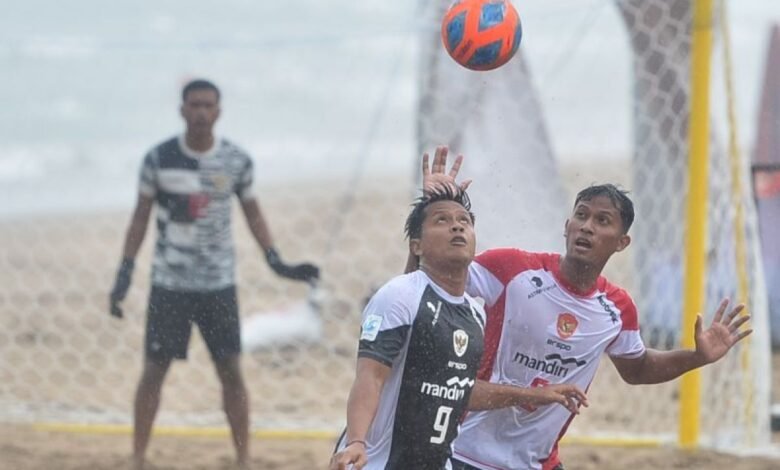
<point x="481" y="34"/>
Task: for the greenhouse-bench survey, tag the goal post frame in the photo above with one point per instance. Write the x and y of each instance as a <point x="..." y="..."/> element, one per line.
<point x="696" y="212"/>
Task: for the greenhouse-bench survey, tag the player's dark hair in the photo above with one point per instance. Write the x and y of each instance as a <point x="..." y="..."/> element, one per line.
<point x="619" y="198"/>
<point x="415" y="220"/>
<point x="198" y="84"/>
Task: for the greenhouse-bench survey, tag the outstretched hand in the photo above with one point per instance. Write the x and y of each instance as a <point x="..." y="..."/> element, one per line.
<point x="306" y="272"/>
<point x="353" y="456"/>
<point x="437" y="175"/>
<point x="567" y="395"/>
<point x="714" y="342"/>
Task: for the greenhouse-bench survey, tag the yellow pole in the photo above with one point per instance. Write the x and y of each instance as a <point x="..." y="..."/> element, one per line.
<point x="696" y="241"/>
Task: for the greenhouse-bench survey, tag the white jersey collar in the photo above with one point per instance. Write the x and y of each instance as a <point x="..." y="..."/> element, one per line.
<point x="453" y="299"/>
<point x="194" y="153"/>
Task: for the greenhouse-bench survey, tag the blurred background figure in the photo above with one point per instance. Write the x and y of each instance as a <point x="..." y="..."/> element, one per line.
<point x="192" y="178"/>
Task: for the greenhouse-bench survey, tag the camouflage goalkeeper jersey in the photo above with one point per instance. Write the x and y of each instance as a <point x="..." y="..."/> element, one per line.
<point x="193" y="191"/>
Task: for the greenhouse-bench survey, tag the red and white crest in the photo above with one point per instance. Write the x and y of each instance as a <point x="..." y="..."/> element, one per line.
<point x="567" y="325"/>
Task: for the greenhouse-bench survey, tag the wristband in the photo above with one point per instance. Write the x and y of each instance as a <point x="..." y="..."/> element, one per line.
<point x="356" y="441"/>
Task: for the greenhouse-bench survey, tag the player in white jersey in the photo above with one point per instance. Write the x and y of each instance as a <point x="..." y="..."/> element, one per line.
<point x="550" y="318"/>
<point x="192" y="179"/>
<point x="420" y="346"/>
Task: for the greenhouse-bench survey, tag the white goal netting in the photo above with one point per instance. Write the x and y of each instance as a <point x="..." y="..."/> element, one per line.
<point x="501" y="125"/>
<point x="336" y="123"/>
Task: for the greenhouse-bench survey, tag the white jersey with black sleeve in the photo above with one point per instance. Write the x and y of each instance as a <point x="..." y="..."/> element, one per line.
<point x="432" y="341"/>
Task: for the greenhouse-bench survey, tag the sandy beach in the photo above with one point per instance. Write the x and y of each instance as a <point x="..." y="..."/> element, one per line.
<point x="22" y="448"/>
<point x="64" y="359"/>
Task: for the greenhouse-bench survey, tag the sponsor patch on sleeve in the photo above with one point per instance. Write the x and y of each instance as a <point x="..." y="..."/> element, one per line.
<point x="370" y="327"/>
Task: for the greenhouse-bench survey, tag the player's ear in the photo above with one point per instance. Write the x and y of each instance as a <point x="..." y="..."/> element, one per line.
<point x="566" y="228"/>
<point x="623" y="242"/>
<point x="415" y="247"/>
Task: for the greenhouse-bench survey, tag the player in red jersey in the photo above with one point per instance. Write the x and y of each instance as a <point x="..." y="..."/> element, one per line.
<point x="550" y="318"/>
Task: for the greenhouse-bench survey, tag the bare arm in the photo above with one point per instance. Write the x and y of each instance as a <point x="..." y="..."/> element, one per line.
<point x="364" y="397"/>
<point x="137" y="229"/>
<point x="361" y="408"/>
<point x="711" y="344"/>
<point x="256" y="223"/>
<point x="491" y="396"/>
<point x="260" y="231"/>
<point x="656" y="367"/>
<point x="133" y="240"/>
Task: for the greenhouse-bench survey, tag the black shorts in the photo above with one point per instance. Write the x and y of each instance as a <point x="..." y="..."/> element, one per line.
<point x="171" y="314"/>
<point x="458" y="465"/>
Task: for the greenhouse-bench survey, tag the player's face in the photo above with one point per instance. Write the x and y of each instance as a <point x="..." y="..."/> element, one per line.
<point x="595" y="231"/>
<point x="447" y="235"/>
<point x="200" y="110"/>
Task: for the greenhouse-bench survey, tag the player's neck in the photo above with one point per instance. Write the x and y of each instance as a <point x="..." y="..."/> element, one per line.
<point x="199" y="141"/>
<point x="453" y="281"/>
<point x="579" y="275"/>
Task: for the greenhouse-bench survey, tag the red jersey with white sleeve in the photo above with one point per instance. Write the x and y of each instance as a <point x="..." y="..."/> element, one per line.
<point x="539" y="331"/>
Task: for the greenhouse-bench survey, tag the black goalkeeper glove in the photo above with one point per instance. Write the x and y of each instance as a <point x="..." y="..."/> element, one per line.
<point x="300" y="272"/>
<point x="121" y="285"/>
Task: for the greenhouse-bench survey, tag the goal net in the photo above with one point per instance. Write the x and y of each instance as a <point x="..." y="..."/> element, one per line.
<point x="336" y="126"/>
<point x="501" y="124"/>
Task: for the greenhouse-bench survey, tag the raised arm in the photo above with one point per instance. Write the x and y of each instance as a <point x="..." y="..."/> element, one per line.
<point x="434" y="176"/>
<point x="491" y="396"/>
<point x="437" y="174"/>
<point x="711" y="345"/>
<point x="361" y="408"/>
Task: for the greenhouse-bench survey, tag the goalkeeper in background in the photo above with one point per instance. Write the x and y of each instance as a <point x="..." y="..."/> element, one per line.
<point x="192" y="178"/>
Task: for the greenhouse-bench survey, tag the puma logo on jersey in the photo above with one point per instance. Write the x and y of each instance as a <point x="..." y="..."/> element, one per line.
<point x="435" y="311"/>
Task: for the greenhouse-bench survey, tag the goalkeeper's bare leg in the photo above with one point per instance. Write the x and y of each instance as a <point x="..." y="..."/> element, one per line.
<point x="147" y="401"/>
<point x="235" y="401"/>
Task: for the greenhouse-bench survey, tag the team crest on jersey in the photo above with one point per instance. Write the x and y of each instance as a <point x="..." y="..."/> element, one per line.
<point x="567" y="325"/>
<point x="460" y="341"/>
<point x="220" y="182"/>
